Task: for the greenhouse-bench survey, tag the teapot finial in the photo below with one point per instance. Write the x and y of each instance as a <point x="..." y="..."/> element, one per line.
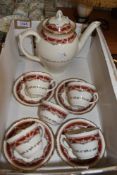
<point x="59" y="15"/>
<point x="59" y="20"/>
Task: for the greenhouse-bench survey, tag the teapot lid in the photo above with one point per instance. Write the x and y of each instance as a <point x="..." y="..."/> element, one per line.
<point x="59" y="24"/>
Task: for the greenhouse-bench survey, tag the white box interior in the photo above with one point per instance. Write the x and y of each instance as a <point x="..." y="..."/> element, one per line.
<point x="91" y="66"/>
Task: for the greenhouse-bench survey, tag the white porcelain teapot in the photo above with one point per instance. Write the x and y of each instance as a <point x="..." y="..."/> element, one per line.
<point x="56" y="42"/>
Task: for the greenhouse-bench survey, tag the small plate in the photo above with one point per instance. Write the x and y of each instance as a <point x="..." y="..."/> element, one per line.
<point x="68" y="156"/>
<point x="19" y="90"/>
<point x="61" y="98"/>
<point x="37" y="160"/>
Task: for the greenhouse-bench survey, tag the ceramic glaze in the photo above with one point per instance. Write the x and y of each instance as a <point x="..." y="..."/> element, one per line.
<point x="52" y="113"/>
<point x="28" y="88"/>
<point x="39" y="87"/>
<point x="61" y="96"/>
<point x="84" y="144"/>
<point x="81" y="94"/>
<point x="80" y="143"/>
<point x="31" y="137"/>
<point x="56" y="42"/>
<point x="28" y="141"/>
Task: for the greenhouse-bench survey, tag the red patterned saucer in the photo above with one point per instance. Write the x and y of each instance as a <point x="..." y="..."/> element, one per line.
<point x="38" y="159"/>
<point x="19" y="89"/>
<point x="67" y="154"/>
<point x="61" y="98"/>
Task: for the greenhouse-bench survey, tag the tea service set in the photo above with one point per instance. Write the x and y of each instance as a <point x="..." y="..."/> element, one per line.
<point x="26" y="141"/>
<point x="29" y="143"/>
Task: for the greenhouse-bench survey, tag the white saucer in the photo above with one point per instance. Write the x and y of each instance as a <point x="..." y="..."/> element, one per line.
<point x="61" y="98"/>
<point x="68" y="156"/>
<point x="20" y="93"/>
<point x="39" y="159"/>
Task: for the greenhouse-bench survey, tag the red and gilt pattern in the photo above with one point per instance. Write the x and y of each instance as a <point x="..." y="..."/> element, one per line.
<point x="20" y="163"/>
<point x="63" y="152"/>
<point x="60" y="98"/>
<point x="56" y="40"/>
<point x="60" y="113"/>
<point x="19" y="88"/>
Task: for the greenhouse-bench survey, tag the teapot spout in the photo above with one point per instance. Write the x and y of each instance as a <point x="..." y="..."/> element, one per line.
<point x="87" y="33"/>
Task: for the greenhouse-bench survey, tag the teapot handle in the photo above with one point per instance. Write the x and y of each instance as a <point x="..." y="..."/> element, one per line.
<point x="22" y="36"/>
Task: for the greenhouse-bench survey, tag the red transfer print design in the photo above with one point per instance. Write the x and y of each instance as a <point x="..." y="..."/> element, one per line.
<point x="38" y="162"/>
<point x="20" y="85"/>
<point x="59" y="113"/>
<point x="53" y="40"/>
<point x="86" y="88"/>
<point x="63" y="29"/>
<point x="62" y="100"/>
<point x="63" y="152"/>
<point x="37" y="77"/>
<point x="23" y="81"/>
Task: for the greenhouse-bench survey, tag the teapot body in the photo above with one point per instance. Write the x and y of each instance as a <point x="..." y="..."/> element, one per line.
<point x="56" y="42"/>
<point x="56" y="55"/>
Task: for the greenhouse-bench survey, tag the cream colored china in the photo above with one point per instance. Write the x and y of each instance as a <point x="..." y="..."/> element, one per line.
<point x="45" y="147"/>
<point x="20" y="91"/>
<point x="28" y="141"/>
<point x="81" y="94"/>
<point x="39" y="87"/>
<point x="80" y="143"/>
<point x="52" y="113"/>
<point x="84" y="145"/>
<point x="61" y="97"/>
<point x="56" y="42"/>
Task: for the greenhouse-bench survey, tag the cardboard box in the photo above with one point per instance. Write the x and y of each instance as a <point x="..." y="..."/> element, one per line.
<point x="94" y="64"/>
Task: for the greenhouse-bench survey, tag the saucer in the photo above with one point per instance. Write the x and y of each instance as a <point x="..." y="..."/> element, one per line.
<point x="61" y="98"/>
<point x="67" y="154"/>
<point x="38" y="159"/>
<point x="20" y="93"/>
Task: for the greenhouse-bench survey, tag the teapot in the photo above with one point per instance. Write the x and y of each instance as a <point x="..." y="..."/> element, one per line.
<point x="56" y="42"/>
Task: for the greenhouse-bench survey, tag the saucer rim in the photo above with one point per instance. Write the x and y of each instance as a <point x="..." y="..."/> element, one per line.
<point x="51" y="151"/>
<point x="18" y="79"/>
<point x="91" y="106"/>
<point x="57" y="143"/>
